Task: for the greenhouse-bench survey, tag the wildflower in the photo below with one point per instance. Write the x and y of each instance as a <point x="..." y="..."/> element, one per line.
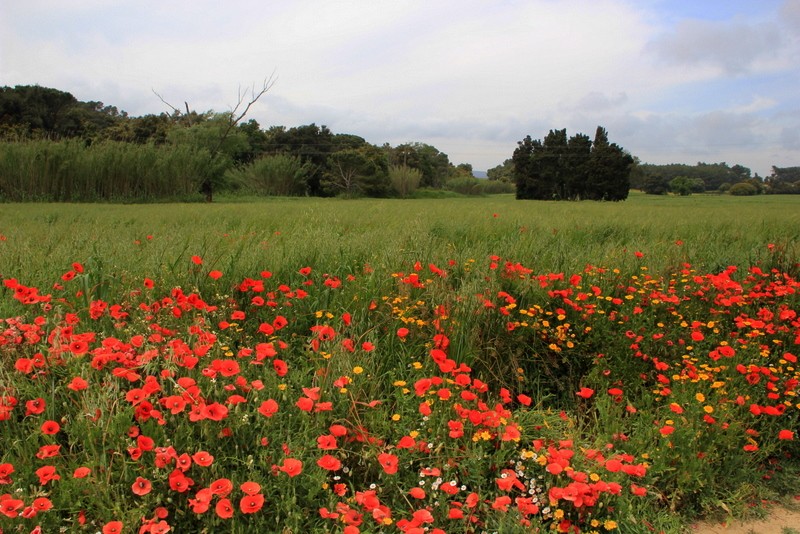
<point x="329" y="463"/>
<point x="786" y="435"/>
<point x="251" y="504"/>
<point x="585" y="393"/>
<point x="81" y="472"/>
<point x="224" y="508"/>
<point x="292" y="467"/>
<point x="112" y="527"/>
<point x="141" y="486"/>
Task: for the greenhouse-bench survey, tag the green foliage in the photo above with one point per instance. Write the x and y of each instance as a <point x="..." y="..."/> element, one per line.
<point x="713" y="175"/>
<point x="783" y="181"/>
<point x="685" y="186"/>
<point x="357" y="172"/>
<point x="743" y="189"/>
<point x="279" y="174"/>
<point x="502" y="173"/>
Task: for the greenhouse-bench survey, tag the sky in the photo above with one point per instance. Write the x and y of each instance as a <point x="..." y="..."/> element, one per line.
<point x="673" y="81"/>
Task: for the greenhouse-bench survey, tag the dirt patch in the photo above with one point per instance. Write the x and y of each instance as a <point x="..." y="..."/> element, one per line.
<point x="777" y="521"/>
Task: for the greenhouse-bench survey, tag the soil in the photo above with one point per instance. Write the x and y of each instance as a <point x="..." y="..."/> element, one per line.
<point x="777" y="521"/>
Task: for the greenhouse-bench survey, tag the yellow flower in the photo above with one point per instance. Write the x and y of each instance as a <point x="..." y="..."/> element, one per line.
<point x="708" y="409"/>
<point x="610" y="524"/>
<point x="416" y="365"/>
<point x="396" y="417"/>
<point x="700" y="397"/>
<point x="357" y="370"/>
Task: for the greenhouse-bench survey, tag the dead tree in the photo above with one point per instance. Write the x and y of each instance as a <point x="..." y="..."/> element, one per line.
<point x="234" y="117"/>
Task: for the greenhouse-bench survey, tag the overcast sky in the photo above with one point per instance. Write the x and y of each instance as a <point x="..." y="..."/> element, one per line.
<point x="673" y="81"/>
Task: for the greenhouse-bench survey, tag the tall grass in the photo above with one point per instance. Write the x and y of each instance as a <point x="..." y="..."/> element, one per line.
<point x="71" y="171"/>
<point x="389" y="235"/>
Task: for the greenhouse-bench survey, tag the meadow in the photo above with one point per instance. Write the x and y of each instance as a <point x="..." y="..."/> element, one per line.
<point x="427" y="365"/>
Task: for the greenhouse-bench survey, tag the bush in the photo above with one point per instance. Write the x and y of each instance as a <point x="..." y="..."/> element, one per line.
<point x="743" y="189"/>
<point x="277" y="174"/>
<point x="405" y="180"/>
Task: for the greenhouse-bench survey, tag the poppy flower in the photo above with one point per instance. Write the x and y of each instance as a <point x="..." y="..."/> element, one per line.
<point x="585" y="393"/>
<point x="81" y="472"/>
<point x="50" y="427"/>
<point x="197" y="260"/>
<point x="268" y="408"/>
<point x="46" y="474"/>
<point x="35" y="406"/>
<point x="224" y="509"/>
<point x="112" y="527"/>
<point x="329" y="463"/>
<point x="221" y="487"/>
<point x="250" y="488"/>
<point x="78" y="384"/>
<point x="389" y="462"/>
<point x="141" y="486"/>
<point x="327" y="442"/>
<point x="786" y="435"/>
<point x="292" y="467"/>
<point x="10" y="507"/>
<point x="251" y="504"/>
<point x="202" y="458"/>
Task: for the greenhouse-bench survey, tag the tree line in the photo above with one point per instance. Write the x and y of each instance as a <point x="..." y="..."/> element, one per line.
<point x="45" y="131"/>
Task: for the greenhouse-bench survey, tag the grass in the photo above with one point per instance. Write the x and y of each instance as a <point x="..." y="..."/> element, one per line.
<point x="624" y="302"/>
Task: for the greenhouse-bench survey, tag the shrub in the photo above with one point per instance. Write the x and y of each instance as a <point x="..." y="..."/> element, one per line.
<point x="743" y="189"/>
<point x="277" y="174"/>
<point x="405" y="180"/>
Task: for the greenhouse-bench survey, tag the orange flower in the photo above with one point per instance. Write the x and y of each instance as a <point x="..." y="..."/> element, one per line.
<point x="81" y="472"/>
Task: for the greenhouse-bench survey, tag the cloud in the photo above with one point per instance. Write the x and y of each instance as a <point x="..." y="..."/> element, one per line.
<point x="733" y="47"/>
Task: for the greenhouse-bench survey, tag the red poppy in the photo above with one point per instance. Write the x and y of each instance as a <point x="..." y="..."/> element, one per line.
<point x="112" y="527"/>
<point x="202" y="458"/>
<point x="281" y="368"/>
<point x="585" y="393"/>
<point x="251" y="504"/>
<point x="389" y="462"/>
<point x="197" y="260"/>
<point x="292" y="467"/>
<point x="221" y="487"/>
<point x="179" y="482"/>
<point x="141" y="486"/>
<point x="48" y="451"/>
<point x="224" y="509"/>
<point x="81" y="472"/>
<point x="10" y="507"/>
<point x="268" y="408"/>
<point x="35" y="406"/>
<point x="329" y="463"/>
<point x="50" y="427"/>
<point x="46" y="474"/>
<point x="326" y="442"/>
<point x="786" y="435"/>
<point x="42" y="504"/>
<point x="215" y="275"/>
<point x="250" y="488"/>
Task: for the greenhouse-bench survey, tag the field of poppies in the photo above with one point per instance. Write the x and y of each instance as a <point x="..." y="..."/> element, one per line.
<point x="439" y="366"/>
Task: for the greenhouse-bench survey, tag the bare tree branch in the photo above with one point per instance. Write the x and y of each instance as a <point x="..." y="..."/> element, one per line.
<point x="174" y="109"/>
<point x="233" y="118"/>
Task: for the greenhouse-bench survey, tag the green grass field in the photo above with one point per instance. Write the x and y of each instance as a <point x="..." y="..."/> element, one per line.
<point x="456" y="364"/>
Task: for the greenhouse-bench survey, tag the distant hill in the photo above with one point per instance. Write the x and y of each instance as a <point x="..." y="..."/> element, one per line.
<point x="480" y="174"/>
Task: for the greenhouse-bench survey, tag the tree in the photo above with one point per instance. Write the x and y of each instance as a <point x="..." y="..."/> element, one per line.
<point x="502" y="173"/>
<point x="226" y="123"/>
<point x="311" y="143"/>
<point x="357" y="171"/>
<point x="558" y="168"/>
